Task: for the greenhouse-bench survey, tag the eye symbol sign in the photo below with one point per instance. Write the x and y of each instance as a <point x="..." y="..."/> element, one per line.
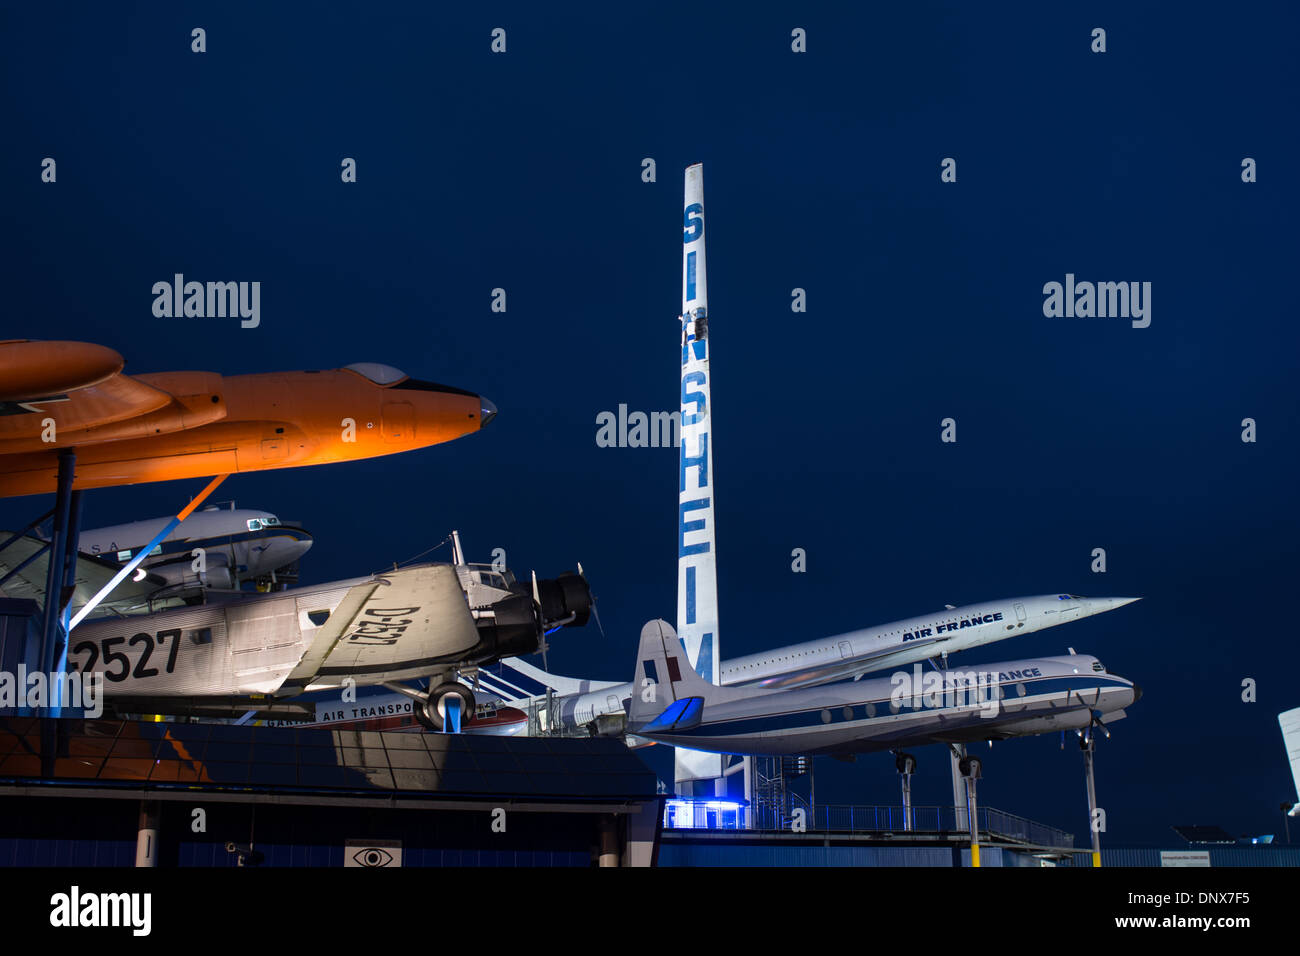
<point x="372" y="856"/>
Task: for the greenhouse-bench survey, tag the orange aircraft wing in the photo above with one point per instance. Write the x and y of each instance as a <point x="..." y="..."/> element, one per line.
<point x="81" y="389"/>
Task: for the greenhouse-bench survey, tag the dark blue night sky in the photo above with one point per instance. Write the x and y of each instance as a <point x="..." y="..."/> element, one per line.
<point x="822" y="171"/>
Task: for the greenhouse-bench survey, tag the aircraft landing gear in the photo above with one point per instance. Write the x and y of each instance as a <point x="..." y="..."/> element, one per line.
<point x="906" y="765"/>
<point x="447" y="708"/>
<point x="444" y="708"/>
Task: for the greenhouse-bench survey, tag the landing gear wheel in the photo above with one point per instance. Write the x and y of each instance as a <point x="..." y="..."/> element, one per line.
<point x="434" y="710"/>
<point x="421" y="717"/>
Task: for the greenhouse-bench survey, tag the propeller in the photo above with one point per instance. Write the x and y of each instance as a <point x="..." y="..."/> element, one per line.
<point x="1094" y="720"/>
<point x="543" y="647"/>
<point x="595" y="612"/>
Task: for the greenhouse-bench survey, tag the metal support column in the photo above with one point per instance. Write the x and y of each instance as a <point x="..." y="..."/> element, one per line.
<point x="54" y="577"/>
<point x="971" y="771"/>
<point x="956" y="754"/>
<point x="609" y="848"/>
<point x="1088" y="743"/>
<point x="906" y="765"/>
<point x="146" y="841"/>
<point x="54" y="586"/>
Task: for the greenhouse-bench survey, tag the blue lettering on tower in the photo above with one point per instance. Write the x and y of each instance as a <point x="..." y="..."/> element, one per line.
<point x="700" y="461"/>
<point x="692" y="397"/>
<point x="704" y="661"/>
<point x="690" y="594"/>
<point x="684" y="527"/>
<point x="692" y="223"/>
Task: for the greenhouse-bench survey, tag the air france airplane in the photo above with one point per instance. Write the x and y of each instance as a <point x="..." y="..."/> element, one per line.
<point x="846" y="656"/>
<point x="674" y="705"/>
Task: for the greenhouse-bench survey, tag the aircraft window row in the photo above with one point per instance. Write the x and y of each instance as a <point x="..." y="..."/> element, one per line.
<point x="126" y="555"/>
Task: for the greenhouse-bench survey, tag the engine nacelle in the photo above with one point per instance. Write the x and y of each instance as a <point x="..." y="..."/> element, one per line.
<point x="509" y="628"/>
<point x="565" y="600"/>
<point x="180" y="573"/>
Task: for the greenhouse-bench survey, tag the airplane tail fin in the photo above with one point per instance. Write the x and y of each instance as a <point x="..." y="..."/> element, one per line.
<point x="666" y="691"/>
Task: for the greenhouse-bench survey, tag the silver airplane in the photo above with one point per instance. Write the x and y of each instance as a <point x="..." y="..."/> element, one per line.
<point x="241" y="652"/>
<point x="672" y="704"/>
<point x="215" y="548"/>
<point x="239" y="545"/>
<point x="601" y="705"/>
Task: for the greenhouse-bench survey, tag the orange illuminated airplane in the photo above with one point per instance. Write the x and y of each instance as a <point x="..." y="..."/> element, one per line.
<point x="127" y="429"/>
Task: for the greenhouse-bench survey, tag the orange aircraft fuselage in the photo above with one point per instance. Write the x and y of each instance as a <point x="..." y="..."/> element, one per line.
<point x="198" y="424"/>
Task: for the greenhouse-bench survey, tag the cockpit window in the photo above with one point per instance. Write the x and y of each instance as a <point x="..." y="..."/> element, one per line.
<point x="377" y="373"/>
<point x="1098" y="666"/>
<point x="487" y="574"/>
<point x="257" y="524"/>
<point x="420" y="385"/>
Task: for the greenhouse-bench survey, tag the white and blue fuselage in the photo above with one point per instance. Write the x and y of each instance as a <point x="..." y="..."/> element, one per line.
<point x="673" y="705"/>
<point x="849" y="656"/>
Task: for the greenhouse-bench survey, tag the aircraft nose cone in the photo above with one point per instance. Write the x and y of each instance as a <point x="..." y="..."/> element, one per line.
<point x="487" y="411"/>
<point x="1137" y="693"/>
<point x="1099" y="605"/>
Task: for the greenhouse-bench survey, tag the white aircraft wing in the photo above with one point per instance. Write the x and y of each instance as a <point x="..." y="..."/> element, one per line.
<point x="519" y="680"/>
<point x="24" y="559"/>
<point x="396" y="626"/>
